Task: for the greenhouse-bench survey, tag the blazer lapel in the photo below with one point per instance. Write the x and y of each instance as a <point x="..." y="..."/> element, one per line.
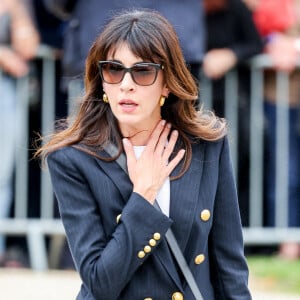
<point x="184" y="197"/>
<point x="118" y="176"/>
<point x="165" y="257"/>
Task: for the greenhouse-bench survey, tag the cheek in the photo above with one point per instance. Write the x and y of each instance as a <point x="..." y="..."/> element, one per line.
<point x="110" y="92"/>
<point x="105" y="87"/>
<point x="152" y="101"/>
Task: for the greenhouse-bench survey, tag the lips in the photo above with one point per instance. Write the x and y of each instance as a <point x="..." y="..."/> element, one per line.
<point x="127" y="102"/>
<point x="128" y="105"/>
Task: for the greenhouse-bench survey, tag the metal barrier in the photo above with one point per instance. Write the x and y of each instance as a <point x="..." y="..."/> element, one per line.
<point x="256" y="234"/>
<point x="36" y="229"/>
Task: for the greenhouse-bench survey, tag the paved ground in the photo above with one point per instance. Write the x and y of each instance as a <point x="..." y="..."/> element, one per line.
<point x="29" y="285"/>
<point x="63" y="285"/>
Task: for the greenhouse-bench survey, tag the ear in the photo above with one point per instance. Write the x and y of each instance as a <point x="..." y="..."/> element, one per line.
<point x="165" y="91"/>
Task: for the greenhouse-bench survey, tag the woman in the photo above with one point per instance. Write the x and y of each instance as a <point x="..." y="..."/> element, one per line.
<point x="140" y="96"/>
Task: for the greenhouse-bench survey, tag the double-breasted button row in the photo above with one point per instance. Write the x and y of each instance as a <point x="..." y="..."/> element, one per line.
<point x="204" y="216"/>
<point x="148" y="248"/>
<point x="175" y="296"/>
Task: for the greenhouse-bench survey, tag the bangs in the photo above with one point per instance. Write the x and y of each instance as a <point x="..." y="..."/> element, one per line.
<point x="140" y="36"/>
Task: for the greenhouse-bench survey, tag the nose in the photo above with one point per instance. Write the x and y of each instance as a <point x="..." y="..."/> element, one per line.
<point x="127" y="83"/>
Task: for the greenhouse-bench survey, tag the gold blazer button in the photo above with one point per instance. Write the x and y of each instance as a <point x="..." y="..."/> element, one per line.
<point x="199" y="259"/>
<point x="177" y="296"/>
<point x="156" y="236"/>
<point x="152" y="242"/>
<point x="141" y="254"/>
<point x="147" y="249"/>
<point x="205" y="215"/>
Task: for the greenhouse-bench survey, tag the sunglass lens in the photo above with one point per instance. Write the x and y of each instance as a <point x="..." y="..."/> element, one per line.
<point x="144" y="75"/>
<point x="112" y="72"/>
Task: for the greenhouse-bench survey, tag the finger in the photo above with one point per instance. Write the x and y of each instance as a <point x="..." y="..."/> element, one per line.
<point x="170" y="146"/>
<point x="163" y="140"/>
<point x="175" y="161"/>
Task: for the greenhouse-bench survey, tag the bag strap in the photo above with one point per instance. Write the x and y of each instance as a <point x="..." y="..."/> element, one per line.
<point x="173" y="244"/>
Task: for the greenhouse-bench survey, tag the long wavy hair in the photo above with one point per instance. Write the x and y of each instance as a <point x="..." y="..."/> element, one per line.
<point x="152" y="38"/>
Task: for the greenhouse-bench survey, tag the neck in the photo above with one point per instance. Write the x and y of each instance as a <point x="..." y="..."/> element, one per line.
<point x="140" y="135"/>
<point x="139" y="138"/>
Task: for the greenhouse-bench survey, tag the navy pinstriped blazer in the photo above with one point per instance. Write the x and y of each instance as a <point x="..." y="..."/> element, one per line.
<point x="109" y="252"/>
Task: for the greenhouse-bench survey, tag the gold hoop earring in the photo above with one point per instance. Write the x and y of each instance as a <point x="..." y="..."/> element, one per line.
<point x="162" y="100"/>
<point x="105" y="98"/>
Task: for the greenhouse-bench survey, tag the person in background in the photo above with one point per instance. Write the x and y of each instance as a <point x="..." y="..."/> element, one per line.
<point x="51" y="30"/>
<point x="231" y="39"/>
<point x="139" y="96"/>
<point x="19" y="41"/>
<point x="87" y="18"/>
<point x="279" y="24"/>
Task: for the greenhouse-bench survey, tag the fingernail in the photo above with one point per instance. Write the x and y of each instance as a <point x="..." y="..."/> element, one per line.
<point x="182" y="152"/>
<point x="125" y="141"/>
<point x="162" y="122"/>
<point x="169" y="125"/>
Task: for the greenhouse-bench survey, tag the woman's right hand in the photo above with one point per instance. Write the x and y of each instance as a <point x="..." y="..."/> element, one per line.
<point x="149" y="172"/>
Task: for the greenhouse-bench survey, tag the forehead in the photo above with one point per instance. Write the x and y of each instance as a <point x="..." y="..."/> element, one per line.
<point x="123" y="53"/>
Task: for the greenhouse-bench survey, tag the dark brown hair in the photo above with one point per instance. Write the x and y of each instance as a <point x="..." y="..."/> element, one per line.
<point x="150" y="37"/>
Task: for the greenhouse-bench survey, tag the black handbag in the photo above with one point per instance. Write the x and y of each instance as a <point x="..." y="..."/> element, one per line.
<point x="121" y="160"/>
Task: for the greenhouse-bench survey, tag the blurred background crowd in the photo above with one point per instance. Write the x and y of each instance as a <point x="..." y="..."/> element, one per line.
<point x="217" y="36"/>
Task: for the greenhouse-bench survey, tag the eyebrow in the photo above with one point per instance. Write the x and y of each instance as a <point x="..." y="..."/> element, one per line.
<point x="136" y="63"/>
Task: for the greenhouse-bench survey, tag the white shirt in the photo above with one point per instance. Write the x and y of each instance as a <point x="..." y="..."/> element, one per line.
<point x="163" y="196"/>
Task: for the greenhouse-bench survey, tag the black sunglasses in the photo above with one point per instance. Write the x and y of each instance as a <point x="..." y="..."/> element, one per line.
<point x="143" y="73"/>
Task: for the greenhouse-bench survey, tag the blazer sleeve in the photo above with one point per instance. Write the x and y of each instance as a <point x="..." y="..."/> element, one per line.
<point x="105" y="264"/>
<point x="228" y="265"/>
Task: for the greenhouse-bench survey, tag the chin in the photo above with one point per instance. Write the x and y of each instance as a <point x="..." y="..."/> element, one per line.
<point x="130" y="121"/>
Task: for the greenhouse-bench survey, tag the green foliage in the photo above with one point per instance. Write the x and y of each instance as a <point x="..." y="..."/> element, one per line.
<point x="274" y="274"/>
